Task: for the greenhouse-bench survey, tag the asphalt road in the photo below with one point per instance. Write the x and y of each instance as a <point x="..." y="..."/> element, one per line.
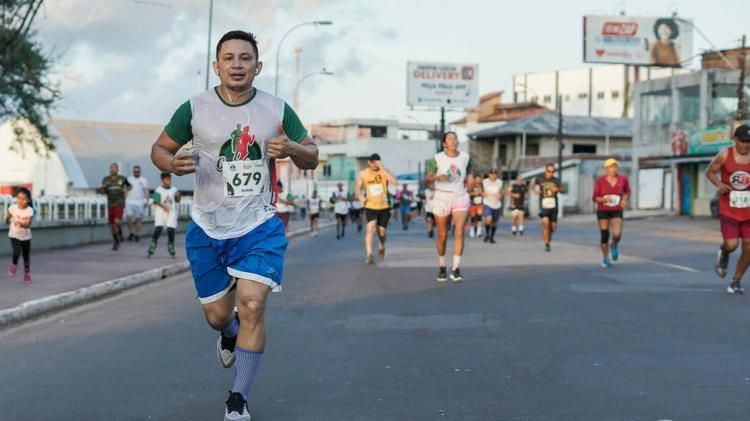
<point x="528" y="336"/>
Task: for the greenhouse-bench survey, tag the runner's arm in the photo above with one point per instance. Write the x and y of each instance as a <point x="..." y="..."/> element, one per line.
<point x="358" y="188"/>
<point x="713" y="168"/>
<point x="163" y="156"/>
<point x="391" y="179"/>
<point x="7" y="217"/>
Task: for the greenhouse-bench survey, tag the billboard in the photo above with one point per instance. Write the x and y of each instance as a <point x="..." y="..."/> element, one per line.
<point x="643" y="41"/>
<point x="449" y="85"/>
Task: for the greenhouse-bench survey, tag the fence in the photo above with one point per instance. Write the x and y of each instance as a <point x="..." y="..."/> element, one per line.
<point x="52" y="210"/>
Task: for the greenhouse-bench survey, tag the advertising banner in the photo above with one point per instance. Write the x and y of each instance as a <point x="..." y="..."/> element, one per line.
<point x="643" y="41"/>
<point x="449" y="85"/>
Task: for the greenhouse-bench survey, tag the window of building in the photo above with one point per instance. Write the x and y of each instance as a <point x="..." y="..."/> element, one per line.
<point x="600" y="95"/>
<point x="656" y="107"/>
<point x="689" y="104"/>
<point x="578" y="148"/>
<point x="378" y="131"/>
<point x="327" y="170"/>
<point x="534" y="99"/>
<point x="724" y="103"/>
<point x="583" y="95"/>
<point x="547" y="99"/>
<point x="532" y="149"/>
<point x="615" y="94"/>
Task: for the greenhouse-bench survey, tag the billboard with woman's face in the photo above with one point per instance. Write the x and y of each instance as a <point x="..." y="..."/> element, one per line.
<point x="645" y="41"/>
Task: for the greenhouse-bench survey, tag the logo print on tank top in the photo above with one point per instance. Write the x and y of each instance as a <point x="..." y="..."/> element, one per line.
<point x="740" y="180"/>
<point x="241" y="146"/>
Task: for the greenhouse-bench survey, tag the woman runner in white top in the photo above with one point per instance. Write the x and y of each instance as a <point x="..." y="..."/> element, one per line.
<point x="19" y="217"/>
<point x="448" y="170"/>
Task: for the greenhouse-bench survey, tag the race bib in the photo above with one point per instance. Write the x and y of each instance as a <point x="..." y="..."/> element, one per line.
<point x="477" y="200"/>
<point x="612" y="200"/>
<point x="244" y="178"/>
<point x="549" y="203"/>
<point x="375" y="189"/>
<point x="739" y="199"/>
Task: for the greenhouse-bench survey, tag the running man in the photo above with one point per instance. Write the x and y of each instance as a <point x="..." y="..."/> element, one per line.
<point x="404" y="198"/>
<point x="313" y="209"/>
<point x="449" y="171"/>
<point x="492" y="188"/>
<point x="518" y="192"/>
<point x="340" y="209"/>
<point x="734" y="204"/>
<point x="166" y="214"/>
<point x="356" y="211"/>
<point x="611" y="194"/>
<point x="374" y="181"/>
<point x="476" y="194"/>
<point x="235" y="244"/>
<point x="547" y="187"/>
<point x="116" y="188"/>
<point x="135" y="204"/>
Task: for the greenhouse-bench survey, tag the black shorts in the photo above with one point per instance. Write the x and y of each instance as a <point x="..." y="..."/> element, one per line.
<point x="608" y="214"/>
<point x="314" y="216"/>
<point x="341" y="217"/>
<point x="355" y="213"/>
<point x="549" y="213"/>
<point x="429" y="215"/>
<point x="382" y="216"/>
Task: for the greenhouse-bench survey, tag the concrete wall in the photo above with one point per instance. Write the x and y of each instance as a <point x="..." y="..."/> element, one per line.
<point x="48" y="235"/>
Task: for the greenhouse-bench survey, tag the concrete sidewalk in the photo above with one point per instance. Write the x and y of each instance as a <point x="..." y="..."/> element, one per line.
<point x="67" y="277"/>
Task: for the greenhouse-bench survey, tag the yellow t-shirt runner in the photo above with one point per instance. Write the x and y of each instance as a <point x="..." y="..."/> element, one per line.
<point x="376" y="189"/>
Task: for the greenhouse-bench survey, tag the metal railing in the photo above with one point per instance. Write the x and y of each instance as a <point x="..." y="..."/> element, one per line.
<point x="79" y="208"/>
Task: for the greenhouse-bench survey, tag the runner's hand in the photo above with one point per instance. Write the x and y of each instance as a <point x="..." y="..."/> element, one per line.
<point x="183" y="163"/>
<point x="362" y="199"/>
<point x="724" y="189"/>
<point x="442" y="177"/>
<point x="279" y="147"/>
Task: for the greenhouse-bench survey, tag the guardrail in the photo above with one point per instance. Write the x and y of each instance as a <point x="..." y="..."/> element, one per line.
<point x="79" y="208"/>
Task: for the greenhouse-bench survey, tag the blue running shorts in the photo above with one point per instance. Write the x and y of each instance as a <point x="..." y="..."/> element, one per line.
<point x="217" y="264"/>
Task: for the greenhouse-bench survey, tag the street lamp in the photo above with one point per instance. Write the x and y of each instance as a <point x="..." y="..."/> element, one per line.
<point x="278" y="48"/>
<point x="323" y="72"/>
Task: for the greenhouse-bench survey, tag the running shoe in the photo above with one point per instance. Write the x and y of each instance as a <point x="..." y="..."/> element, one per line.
<point x="225" y="350"/>
<point x="236" y="408"/>
<point x="547" y="247"/>
<point x="735" y="288"/>
<point x="369" y="260"/>
<point x="722" y="261"/>
<point x="170" y="249"/>
<point x="131" y="237"/>
<point x="431" y="233"/>
<point x="137" y="238"/>
<point x="492" y="240"/>
<point x="27" y="278"/>
<point x="606" y="263"/>
<point x="115" y="246"/>
<point x="514" y="233"/>
<point x="151" y="249"/>
<point x="471" y="233"/>
<point x="442" y="274"/>
<point x="456" y="275"/>
<point x="381" y="253"/>
<point x="11" y="269"/>
<point x="615" y="253"/>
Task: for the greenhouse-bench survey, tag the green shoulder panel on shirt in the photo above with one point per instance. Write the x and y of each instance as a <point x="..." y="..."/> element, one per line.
<point x="432" y="166"/>
<point x="468" y="166"/>
<point x="293" y="127"/>
<point x="180" y="127"/>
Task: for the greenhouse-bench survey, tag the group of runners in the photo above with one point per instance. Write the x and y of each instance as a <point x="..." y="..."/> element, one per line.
<point x="236" y="244"/>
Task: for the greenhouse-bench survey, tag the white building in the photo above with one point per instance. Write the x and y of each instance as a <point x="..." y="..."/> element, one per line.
<point x="596" y="91"/>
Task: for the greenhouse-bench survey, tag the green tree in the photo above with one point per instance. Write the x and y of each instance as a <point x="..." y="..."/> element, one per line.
<point x="26" y="92"/>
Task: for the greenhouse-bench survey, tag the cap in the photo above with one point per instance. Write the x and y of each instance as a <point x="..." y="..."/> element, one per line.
<point x="374" y="157"/>
<point x="610" y="161"/>
<point x="742" y="133"/>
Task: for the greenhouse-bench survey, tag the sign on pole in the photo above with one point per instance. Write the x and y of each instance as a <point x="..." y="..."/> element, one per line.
<point x="643" y="41"/>
<point x="449" y="85"/>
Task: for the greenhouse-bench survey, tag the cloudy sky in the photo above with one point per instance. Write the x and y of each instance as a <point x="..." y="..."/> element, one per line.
<point x="137" y="60"/>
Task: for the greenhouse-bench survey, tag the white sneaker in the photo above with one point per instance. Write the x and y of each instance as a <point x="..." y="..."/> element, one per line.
<point x="471" y="233"/>
<point x="236" y="408"/>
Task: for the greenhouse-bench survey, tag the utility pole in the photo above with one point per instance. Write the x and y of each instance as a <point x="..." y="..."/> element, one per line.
<point x="442" y="128"/>
<point x="295" y="100"/>
<point x="741" y="100"/>
<point x="560" y="144"/>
